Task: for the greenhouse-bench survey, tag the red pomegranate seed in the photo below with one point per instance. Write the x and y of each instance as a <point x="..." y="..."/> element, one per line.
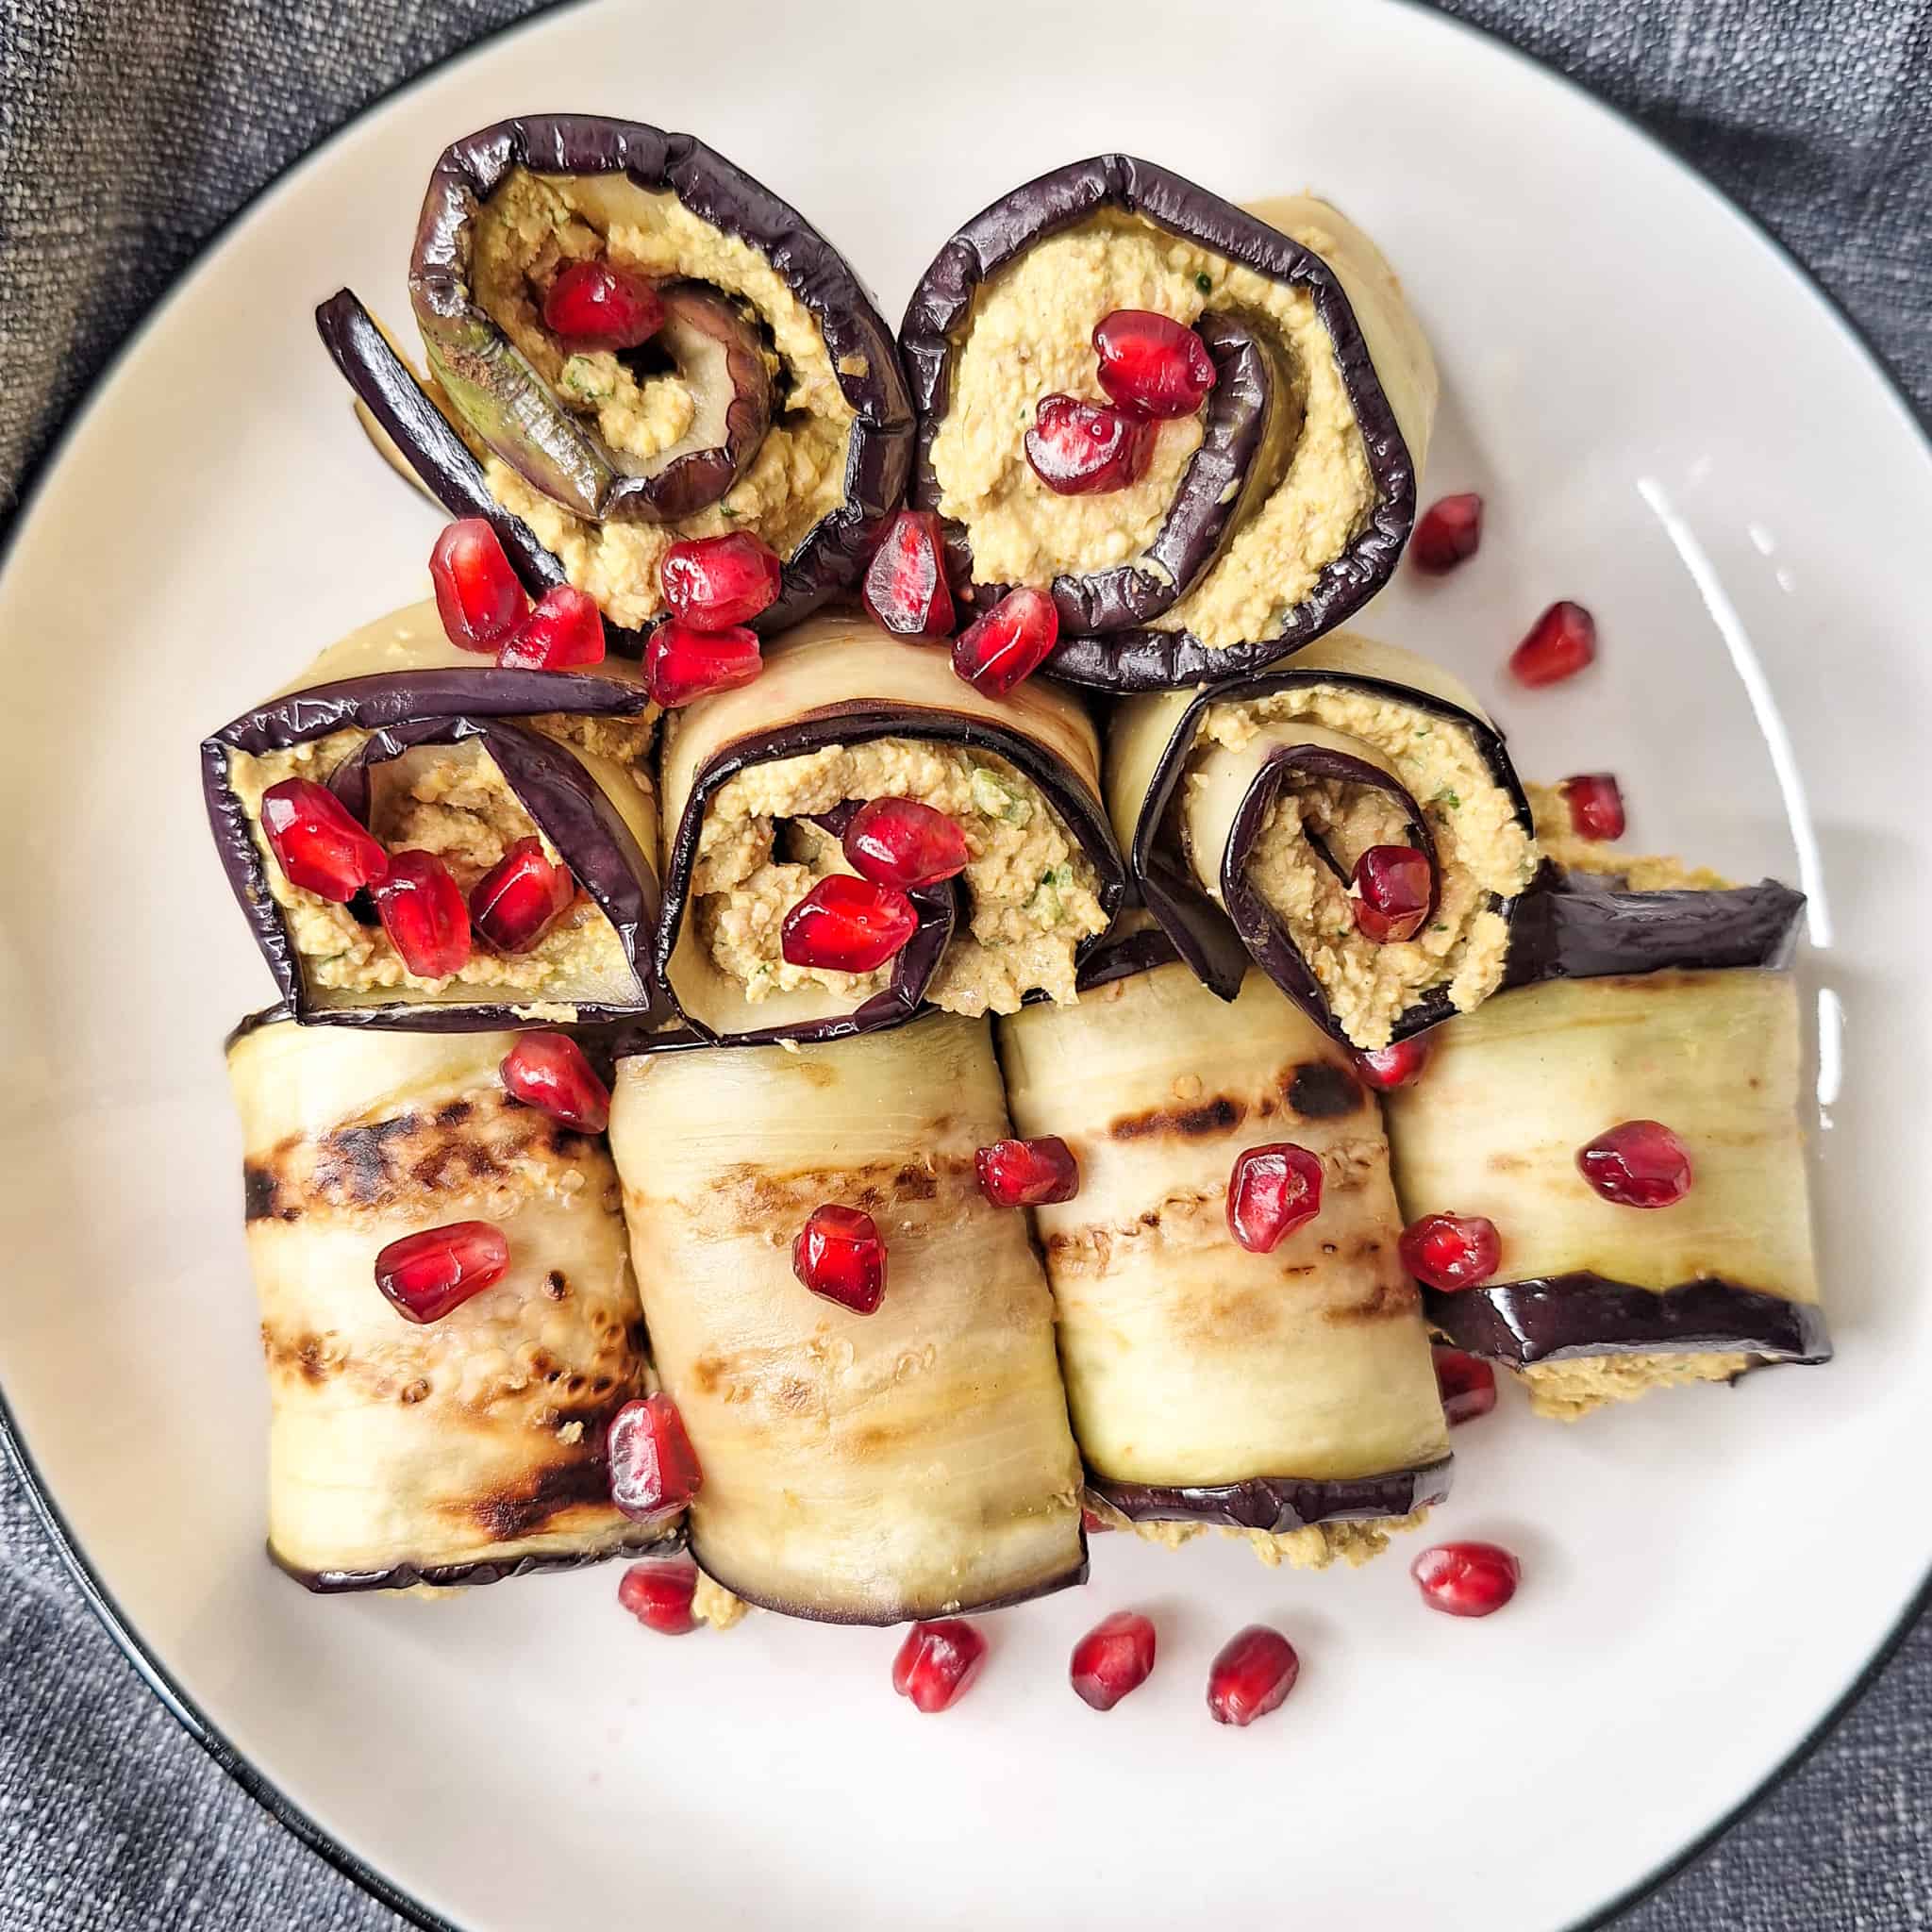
<point x="1467" y="1579"/>
<point x="898" y="842"/>
<point x="1114" y="1657"/>
<point x="1640" y="1164"/>
<point x="715" y="582"/>
<point x="1027" y="1174"/>
<point x="937" y="1663"/>
<point x="548" y="1070"/>
<point x="1451" y="1251"/>
<point x="564" y="630"/>
<point x="596" y="305"/>
<point x="426" y="1276"/>
<point x="1008" y="644"/>
<point x="1271" y="1191"/>
<point x="1094" y="1523"/>
<point x="1390" y="896"/>
<point x="653" y="1469"/>
<point x="477" y="593"/>
<point x="1086" y="449"/>
<point x="518" y="900"/>
<point x="1152" y="363"/>
<point x="1448" y="533"/>
<point x="658" y="1593"/>
<point x="1596" y="805"/>
<point x="1465" y="1383"/>
<point x="1385" y="1068"/>
<point x="1560" y="643"/>
<point x="681" y="663"/>
<point x="845" y="925"/>
<point x="905" y="586"/>
<point x="319" y="846"/>
<point x="422" y="912"/>
<point x="837" y="1253"/>
<point x="1254" y="1672"/>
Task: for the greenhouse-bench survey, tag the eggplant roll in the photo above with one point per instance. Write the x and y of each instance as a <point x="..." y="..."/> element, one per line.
<point x="1289" y="1395"/>
<point x="472" y="1448"/>
<point x="859" y="1468"/>
<point x="766" y="397"/>
<point x="756" y="779"/>
<point x="1244" y="809"/>
<point x="1261" y="519"/>
<point x="433" y="749"/>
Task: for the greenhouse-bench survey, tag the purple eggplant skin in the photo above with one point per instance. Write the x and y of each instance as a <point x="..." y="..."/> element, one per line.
<point x="879" y="453"/>
<point x="468" y="1575"/>
<point x="1279" y="1505"/>
<point x="1133" y="659"/>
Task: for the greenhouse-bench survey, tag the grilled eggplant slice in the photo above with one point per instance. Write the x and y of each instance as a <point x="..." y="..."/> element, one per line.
<point x="1288" y="1394"/>
<point x="860" y="1469"/>
<point x="469" y="1449"/>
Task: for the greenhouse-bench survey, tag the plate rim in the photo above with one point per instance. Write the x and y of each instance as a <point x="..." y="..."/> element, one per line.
<point x="167" y="1691"/>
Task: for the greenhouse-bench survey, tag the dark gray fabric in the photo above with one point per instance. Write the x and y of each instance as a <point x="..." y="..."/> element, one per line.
<point x="157" y="121"/>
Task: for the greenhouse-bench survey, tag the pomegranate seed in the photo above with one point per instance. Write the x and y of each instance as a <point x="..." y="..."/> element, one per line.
<point x="1560" y="643"/>
<point x="595" y="305"/>
<point x="564" y="630"/>
<point x="1451" y="1251"/>
<point x="319" y="846"/>
<point x="1448" y="533"/>
<point x="518" y="900"/>
<point x="1254" y="1671"/>
<point x="937" y="1663"/>
<point x="715" y="582"/>
<point x="658" y="1593"/>
<point x="1271" y="1191"/>
<point x="837" y="1253"/>
<point x="426" y="1276"/>
<point x="1390" y="896"/>
<point x="1640" y="1164"/>
<point x="1008" y="644"/>
<point x="1114" y="1657"/>
<point x="845" y="925"/>
<point x="1152" y="363"/>
<point x="1385" y="1068"/>
<point x="1087" y="449"/>
<point x="653" y="1469"/>
<point x="681" y="663"/>
<point x="548" y="1070"/>
<point x="905" y="586"/>
<point x="1092" y="1522"/>
<point x="422" y="912"/>
<point x="1027" y="1174"/>
<point x="898" y="842"/>
<point x="1467" y="1579"/>
<point x="1465" y="1383"/>
<point x="477" y="593"/>
<point x="1596" y="805"/>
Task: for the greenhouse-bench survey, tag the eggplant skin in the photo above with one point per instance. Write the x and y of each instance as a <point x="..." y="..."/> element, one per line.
<point x="464" y="1576"/>
<point x="1278" y="1504"/>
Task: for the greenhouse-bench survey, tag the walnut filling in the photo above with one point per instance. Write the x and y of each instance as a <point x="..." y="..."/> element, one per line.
<point x="1642" y="871"/>
<point x="1570" y="1388"/>
<point x="1314" y="1547"/>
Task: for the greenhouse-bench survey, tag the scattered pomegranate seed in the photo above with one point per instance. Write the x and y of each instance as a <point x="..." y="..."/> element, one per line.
<point x="1271" y="1191"/>
<point x="905" y="586"/>
<point x="1152" y="363"/>
<point x="319" y="846"/>
<point x="1467" y="1579"/>
<point x="937" y="1663"/>
<point x="1390" y="896"/>
<point x="1596" y="805"/>
<point x="715" y="582"/>
<point x="1087" y="449"/>
<point x="658" y="1593"/>
<point x="837" y="1253"/>
<point x="1092" y="1522"/>
<point x="653" y="1469"/>
<point x="898" y="842"/>
<point x="1008" y="644"/>
<point x="1385" y="1068"/>
<point x="845" y="925"/>
<point x="1254" y="1671"/>
<point x="1114" y="1657"/>
<point x="1465" y="1383"/>
<point x="1451" y="1251"/>
<point x="564" y="630"/>
<point x="596" y="305"/>
<point x="518" y="900"/>
<point x="477" y="593"/>
<point x="681" y="663"/>
<point x="1027" y="1174"/>
<point x="426" y="1276"/>
<point x="1448" y="533"/>
<point x="422" y="912"/>
<point x="1640" y="1164"/>
<point x="1560" y="643"/>
<point x="548" y="1070"/>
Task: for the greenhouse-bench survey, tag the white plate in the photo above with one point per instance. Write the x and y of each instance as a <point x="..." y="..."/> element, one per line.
<point x="1668" y="423"/>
